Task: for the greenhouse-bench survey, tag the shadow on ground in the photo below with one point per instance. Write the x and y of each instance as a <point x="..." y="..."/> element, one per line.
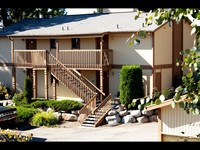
<point x="36" y="139"/>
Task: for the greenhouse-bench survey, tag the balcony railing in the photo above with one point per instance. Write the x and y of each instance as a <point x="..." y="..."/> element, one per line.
<point x="78" y="59"/>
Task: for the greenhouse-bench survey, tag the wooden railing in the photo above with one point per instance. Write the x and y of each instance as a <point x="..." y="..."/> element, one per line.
<point x="78" y="59"/>
<point x="85" y="58"/>
<point x="106" y="105"/>
<point x="30" y="58"/>
<point x="89" y="107"/>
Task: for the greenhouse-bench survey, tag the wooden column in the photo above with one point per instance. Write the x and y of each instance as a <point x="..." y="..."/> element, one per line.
<point x="34" y="83"/>
<point x="101" y="71"/>
<point x="54" y="89"/>
<point x="46" y="83"/>
<point x="101" y="84"/>
<point x="13" y="68"/>
<point x="57" y="49"/>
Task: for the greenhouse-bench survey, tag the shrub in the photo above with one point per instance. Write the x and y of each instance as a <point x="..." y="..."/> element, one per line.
<point x="28" y="89"/>
<point x="66" y="105"/>
<point x="14" y="136"/>
<point x="3" y="91"/>
<point x="131" y="84"/>
<point x="24" y="114"/>
<point x="39" y="104"/>
<point x="18" y="99"/>
<point x="44" y="119"/>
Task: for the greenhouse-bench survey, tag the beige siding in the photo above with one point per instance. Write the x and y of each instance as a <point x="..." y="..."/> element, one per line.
<point x="166" y="78"/>
<point x="5" y="50"/>
<point x="90" y="75"/>
<point x="19" y="44"/>
<point x="43" y="44"/>
<point x="114" y="81"/>
<point x="6" y="77"/>
<point x="87" y="43"/>
<point x="20" y="77"/>
<point x="188" y="39"/>
<point x="65" y="93"/>
<point x="176" y="122"/>
<point x="65" y="44"/>
<point x="163" y="45"/>
<point x="123" y="53"/>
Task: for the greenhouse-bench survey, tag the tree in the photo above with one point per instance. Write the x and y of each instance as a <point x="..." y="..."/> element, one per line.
<point x="12" y="15"/>
<point x="190" y="86"/>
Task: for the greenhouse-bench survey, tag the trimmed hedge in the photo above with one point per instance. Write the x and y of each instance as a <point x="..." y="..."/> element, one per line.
<point x="131" y="84"/>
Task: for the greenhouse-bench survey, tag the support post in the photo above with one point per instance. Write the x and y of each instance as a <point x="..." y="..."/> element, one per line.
<point x="34" y="83"/>
<point x="46" y="83"/>
<point x="101" y="84"/>
<point x="54" y="89"/>
<point x="57" y="49"/>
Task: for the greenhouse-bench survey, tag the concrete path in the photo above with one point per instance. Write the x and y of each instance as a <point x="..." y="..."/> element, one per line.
<point x="123" y="132"/>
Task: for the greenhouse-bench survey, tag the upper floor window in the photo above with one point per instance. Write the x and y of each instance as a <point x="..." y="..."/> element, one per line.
<point x="75" y="43"/>
<point x="52" y="43"/>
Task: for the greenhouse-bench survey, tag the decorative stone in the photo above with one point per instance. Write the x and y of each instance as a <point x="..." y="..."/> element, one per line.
<point x="147" y="112"/>
<point x="128" y="119"/>
<point x="123" y="113"/>
<point x="153" y="118"/>
<point x="135" y="113"/>
<point x="143" y="119"/>
<point x="112" y="112"/>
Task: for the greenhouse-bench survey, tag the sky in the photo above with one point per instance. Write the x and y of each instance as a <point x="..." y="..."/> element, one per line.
<point x="72" y="11"/>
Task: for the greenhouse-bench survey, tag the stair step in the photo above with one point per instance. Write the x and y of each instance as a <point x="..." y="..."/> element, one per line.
<point x="88" y="125"/>
<point x="89" y="122"/>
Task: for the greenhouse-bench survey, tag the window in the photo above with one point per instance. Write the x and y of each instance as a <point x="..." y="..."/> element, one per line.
<point x="75" y="43"/>
<point x="52" y="43"/>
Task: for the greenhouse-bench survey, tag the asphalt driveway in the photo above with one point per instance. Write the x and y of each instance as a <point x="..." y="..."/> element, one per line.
<point x="123" y="132"/>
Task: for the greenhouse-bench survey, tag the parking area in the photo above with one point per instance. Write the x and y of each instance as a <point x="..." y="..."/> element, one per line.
<point x="123" y="132"/>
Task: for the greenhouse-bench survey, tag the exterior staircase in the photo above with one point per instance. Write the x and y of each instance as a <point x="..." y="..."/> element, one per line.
<point x="73" y="80"/>
<point x="97" y="116"/>
<point x="92" y="115"/>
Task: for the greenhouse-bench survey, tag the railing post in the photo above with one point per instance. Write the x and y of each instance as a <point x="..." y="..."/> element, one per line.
<point x="34" y="83"/>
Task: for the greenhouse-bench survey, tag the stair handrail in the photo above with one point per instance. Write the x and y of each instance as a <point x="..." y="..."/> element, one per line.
<point x="88" y="81"/>
<point x="102" y="103"/>
<point x="80" y="75"/>
<point x="93" y="99"/>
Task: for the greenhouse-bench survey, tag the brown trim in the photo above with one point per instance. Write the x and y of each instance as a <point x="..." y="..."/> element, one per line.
<point x="163" y="66"/>
<point x="6" y="64"/>
<point x="119" y="66"/>
<point x="57" y="36"/>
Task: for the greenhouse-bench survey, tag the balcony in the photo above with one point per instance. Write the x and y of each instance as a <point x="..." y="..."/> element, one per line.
<point x="76" y="59"/>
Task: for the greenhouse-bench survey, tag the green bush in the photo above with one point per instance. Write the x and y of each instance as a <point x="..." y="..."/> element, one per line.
<point x="44" y="119"/>
<point x="14" y="136"/>
<point x="24" y="114"/>
<point x="3" y="91"/>
<point x="131" y="84"/>
<point x="28" y="88"/>
<point x="66" y="105"/>
<point x="18" y="99"/>
<point x="39" y="104"/>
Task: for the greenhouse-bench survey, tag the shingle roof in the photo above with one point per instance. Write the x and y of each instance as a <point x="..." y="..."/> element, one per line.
<point x="78" y="24"/>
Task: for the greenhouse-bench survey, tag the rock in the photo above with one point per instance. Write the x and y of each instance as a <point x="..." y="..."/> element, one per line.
<point x="135" y="113"/>
<point x="156" y="112"/>
<point x="5" y="103"/>
<point x="123" y="113"/>
<point x="143" y="119"/>
<point x="113" y="119"/>
<point x="69" y="117"/>
<point x="112" y="112"/>
<point x="147" y="112"/>
<point x="58" y="115"/>
<point x="121" y="108"/>
<point x="128" y="119"/>
<point x="50" y="109"/>
<point x="153" y="118"/>
<point x="81" y="117"/>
